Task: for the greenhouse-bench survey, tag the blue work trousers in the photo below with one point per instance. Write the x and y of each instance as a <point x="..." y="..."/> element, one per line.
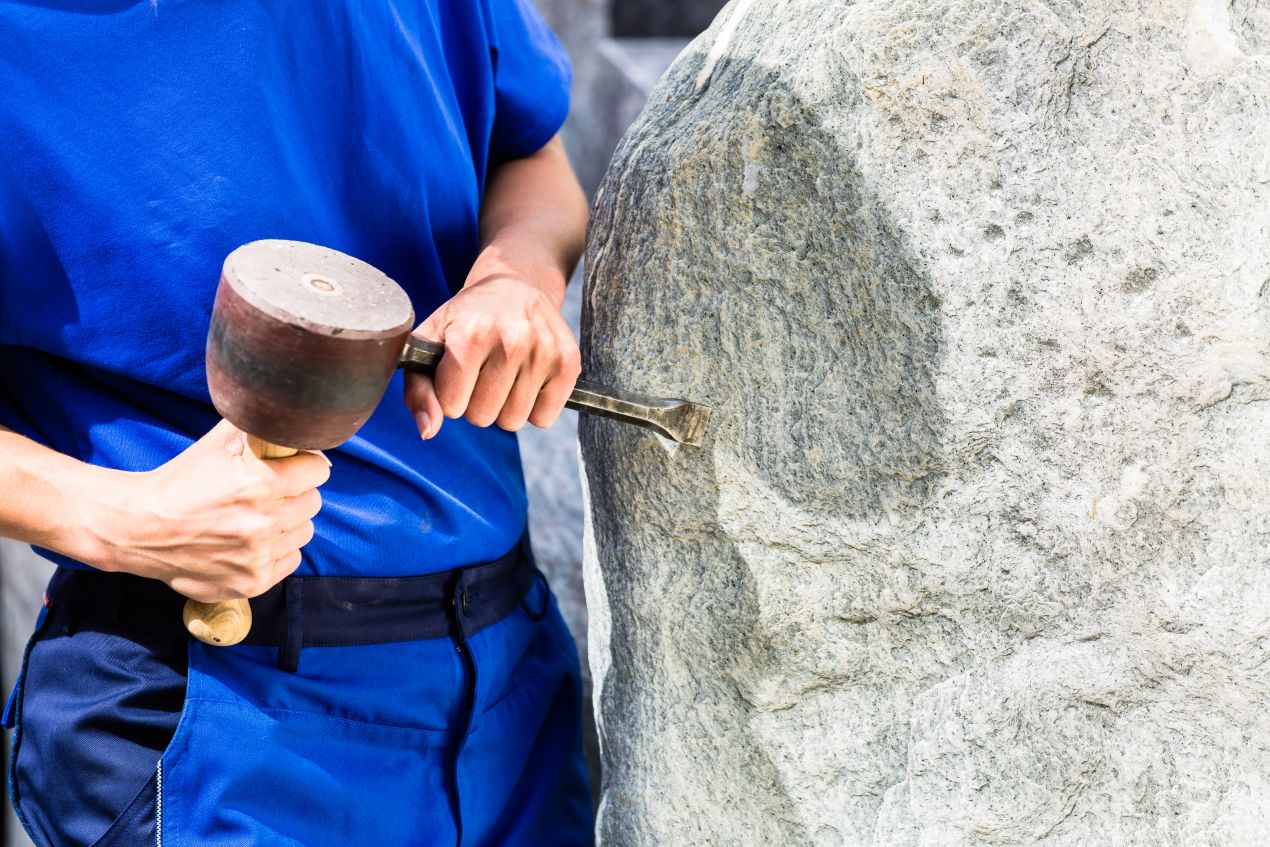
<point x="131" y="734"/>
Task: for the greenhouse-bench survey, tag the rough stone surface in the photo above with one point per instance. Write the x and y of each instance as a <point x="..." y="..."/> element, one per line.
<point x="975" y="551"/>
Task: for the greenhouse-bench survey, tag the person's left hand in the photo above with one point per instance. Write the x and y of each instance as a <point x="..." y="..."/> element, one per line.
<point x="509" y="355"/>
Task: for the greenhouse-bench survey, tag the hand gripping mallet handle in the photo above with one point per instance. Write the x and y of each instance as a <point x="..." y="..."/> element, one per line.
<point x="227" y="622"/>
<point x="302" y="342"/>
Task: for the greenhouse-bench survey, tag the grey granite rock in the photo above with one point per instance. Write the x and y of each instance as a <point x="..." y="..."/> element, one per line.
<point x="975" y="551"/>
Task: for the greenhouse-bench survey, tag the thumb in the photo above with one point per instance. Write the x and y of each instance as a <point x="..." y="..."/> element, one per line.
<point x="224" y="436"/>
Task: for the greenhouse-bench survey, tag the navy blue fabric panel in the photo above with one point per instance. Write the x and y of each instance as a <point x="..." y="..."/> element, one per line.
<point x="138" y="825"/>
<point x="522" y="776"/>
<point x="141" y="142"/>
<point x="98" y="705"/>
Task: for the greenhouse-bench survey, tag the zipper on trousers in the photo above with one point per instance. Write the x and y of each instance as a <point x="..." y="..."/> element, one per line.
<point x="158" y="805"/>
<point x="458" y="600"/>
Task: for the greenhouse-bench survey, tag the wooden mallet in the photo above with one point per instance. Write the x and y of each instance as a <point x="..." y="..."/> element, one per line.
<point x="302" y="344"/>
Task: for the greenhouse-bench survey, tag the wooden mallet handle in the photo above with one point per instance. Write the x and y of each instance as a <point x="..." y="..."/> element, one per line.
<point x="228" y="622"/>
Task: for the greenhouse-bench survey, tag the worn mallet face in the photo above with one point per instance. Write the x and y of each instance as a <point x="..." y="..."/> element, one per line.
<point x="303" y="342"/>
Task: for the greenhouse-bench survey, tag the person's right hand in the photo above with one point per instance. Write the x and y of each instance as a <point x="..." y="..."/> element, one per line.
<point x="216" y="522"/>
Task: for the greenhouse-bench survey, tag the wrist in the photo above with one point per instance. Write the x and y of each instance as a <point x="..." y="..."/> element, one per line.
<point x="511" y="258"/>
<point x="91" y="529"/>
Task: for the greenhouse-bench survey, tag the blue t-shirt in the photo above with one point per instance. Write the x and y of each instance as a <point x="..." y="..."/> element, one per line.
<point x="141" y="142"/>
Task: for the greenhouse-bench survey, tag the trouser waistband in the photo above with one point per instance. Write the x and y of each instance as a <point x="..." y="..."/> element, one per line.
<point x="319" y="611"/>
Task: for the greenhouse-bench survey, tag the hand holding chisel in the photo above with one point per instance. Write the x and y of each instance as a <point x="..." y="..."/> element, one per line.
<point x="678" y="420"/>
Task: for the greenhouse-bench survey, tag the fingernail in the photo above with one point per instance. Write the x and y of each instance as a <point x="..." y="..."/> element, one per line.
<point x="322" y="455"/>
<point x="424" y="423"/>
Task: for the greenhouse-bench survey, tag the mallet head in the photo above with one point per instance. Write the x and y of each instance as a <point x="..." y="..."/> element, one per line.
<point x="302" y="343"/>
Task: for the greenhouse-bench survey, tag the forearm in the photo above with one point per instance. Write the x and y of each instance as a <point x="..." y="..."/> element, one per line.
<point x="214" y="522"/>
<point x="49" y="498"/>
<point x="533" y="222"/>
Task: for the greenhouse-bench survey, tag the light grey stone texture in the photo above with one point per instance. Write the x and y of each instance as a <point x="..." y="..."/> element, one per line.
<point x="23" y="576"/>
<point x="975" y="552"/>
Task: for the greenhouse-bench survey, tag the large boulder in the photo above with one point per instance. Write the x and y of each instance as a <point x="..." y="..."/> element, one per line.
<point x="975" y="552"/>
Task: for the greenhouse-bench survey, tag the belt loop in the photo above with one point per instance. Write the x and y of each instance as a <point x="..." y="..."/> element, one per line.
<point x="537" y="576"/>
<point x="293" y="637"/>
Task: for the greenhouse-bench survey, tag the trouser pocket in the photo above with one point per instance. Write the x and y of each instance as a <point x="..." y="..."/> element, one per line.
<point x="252" y="764"/>
<point x="97" y="705"/>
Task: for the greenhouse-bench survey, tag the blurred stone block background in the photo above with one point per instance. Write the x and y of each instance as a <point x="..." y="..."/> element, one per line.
<point x="619" y="50"/>
<point x="22" y="578"/>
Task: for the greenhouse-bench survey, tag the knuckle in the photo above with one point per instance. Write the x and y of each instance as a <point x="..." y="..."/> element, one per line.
<point x="517" y="341"/>
<point x="240" y="586"/>
<point x="477" y="327"/>
<point x="198" y="589"/>
<point x="546" y="357"/>
<point x="254" y="492"/>
<point x="571" y="361"/>
<point x="255" y="554"/>
<point x="312" y="503"/>
<point x="255" y="526"/>
<point x="449" y="400"/>
<point x="260" y="585"/>
<point x="419" y="388"/>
